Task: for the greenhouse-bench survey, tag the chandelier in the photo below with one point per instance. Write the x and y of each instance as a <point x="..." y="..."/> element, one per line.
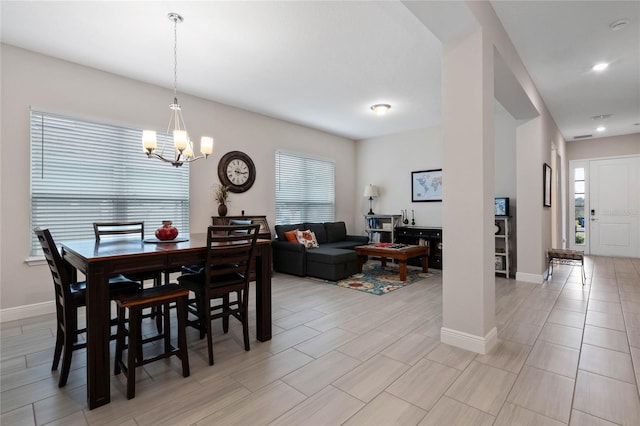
<point x="182" y="144"/>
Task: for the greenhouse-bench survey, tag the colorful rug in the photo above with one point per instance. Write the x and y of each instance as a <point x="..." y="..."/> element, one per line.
<point x="377" y="280"/>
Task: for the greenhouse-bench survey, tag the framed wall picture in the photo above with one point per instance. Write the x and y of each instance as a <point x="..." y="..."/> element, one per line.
<point x="501" y="206"/>
<point x="426" y="185"/>
<point x="546" y="202"/>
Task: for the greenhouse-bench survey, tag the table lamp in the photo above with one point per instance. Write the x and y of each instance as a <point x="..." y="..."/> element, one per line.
<point x="370" y="191"/>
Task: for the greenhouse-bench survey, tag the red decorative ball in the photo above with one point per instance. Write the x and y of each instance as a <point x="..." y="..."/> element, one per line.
<point x="166" y="231"/>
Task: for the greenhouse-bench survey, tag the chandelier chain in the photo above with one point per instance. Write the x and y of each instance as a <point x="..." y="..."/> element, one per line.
<point x="175" y="58"/>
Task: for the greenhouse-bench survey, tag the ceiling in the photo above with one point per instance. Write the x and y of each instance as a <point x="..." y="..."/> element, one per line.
<point x="323" y="64"/>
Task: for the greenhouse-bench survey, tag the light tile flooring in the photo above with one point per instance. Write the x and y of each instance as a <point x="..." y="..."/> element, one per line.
<point x="567" y="354"/>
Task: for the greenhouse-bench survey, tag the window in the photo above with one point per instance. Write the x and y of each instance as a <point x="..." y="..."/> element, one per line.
<point x="305" y="189"/>
<point x="579" y="191"/>
<point x="84" y="172"/>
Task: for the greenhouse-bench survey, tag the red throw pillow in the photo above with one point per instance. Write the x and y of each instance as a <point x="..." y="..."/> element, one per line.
<point x="291" y="236"/>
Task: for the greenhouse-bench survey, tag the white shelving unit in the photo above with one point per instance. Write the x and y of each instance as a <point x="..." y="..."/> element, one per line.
<point x="381" y="227"/>
<point x="503" y="245"/>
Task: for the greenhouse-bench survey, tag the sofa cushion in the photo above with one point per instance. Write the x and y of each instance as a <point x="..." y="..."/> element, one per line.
<point x="330" y="255"/>
<point x="336" y="231"/>
<point x="318" y="229"/>
<point x="346" y="244"/>
<point x="281" y="229"/>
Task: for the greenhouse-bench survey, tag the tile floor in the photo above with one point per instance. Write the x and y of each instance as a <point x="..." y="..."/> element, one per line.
<point x="567" y="354"/>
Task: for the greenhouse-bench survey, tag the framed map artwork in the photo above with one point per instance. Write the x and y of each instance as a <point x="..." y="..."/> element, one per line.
<point x="426" y="185"/>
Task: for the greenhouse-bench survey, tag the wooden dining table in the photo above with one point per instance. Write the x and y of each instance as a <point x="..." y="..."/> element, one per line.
<point x="98" y="260"/>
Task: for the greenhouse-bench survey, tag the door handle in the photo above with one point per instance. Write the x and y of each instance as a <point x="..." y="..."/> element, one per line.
<point x="593" y="219"/>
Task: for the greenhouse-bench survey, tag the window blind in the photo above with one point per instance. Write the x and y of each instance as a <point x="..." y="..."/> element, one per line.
<point x="84" y="172"/>
<point x="305" y="189"/>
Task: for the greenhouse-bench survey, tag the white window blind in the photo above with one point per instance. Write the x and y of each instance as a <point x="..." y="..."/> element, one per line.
<point x="305" y="189"/>
<point x="84" y="172"/>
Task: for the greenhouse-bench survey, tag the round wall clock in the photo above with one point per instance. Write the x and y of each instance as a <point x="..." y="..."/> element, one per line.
<point x="237" y="171"/>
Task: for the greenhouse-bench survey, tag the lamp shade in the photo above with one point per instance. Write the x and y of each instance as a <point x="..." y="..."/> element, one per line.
<point x="371" y="191"/>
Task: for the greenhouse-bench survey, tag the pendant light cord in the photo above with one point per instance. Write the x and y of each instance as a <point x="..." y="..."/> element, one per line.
<point x="175" y="59"/>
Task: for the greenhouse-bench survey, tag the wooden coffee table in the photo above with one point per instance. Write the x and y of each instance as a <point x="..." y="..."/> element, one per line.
<point x="401" y="252"/>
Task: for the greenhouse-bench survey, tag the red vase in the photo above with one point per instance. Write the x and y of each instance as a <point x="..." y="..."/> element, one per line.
<point x="167" y="231"/>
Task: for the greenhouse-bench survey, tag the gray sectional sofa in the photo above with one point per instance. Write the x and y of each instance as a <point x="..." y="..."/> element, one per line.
<point x="334" y="260"/>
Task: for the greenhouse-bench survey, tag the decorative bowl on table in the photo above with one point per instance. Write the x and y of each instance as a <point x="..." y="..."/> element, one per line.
<point x="167" y="231"/>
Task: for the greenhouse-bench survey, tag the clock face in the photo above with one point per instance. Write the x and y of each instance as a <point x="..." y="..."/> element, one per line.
<point x="237" y="171"/>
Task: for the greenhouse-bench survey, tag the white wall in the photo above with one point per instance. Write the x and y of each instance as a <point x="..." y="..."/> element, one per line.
<point x="505" y="155"/>
<point x="387" y="162"/>
<point x="604" y="147"/>
<point x="30" y="79"/>
<point x="505" y="170"/>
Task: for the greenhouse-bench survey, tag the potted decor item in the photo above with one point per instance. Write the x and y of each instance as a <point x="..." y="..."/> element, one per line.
<point x="221" y="196"/>
<point x="167" y="231"/>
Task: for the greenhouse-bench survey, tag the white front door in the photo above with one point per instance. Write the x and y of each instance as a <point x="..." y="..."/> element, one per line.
<point x="614" y="207"/>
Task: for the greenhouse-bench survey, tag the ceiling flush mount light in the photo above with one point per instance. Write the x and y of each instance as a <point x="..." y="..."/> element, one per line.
<point x="601" y="117"/>
<point x="601" y="128"/>
<point x="600" y="66"/>
<point x="380" y="109"/>
<point x="182" y="144"/>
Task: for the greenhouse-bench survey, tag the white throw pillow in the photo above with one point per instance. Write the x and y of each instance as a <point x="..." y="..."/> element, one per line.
<point x="307" y="238"/>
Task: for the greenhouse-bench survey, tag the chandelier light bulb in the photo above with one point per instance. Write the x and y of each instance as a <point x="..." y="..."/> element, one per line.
<point x="180" y="139"/>
<point x="600" y="66"/>
<point x="206" y="145"/>
<point x="149" y="141"/>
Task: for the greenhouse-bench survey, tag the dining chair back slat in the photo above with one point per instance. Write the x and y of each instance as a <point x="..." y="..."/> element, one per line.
<point x="118" y="228"/>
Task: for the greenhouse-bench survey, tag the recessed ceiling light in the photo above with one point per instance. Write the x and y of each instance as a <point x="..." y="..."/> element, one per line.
<point x="380" y="109"/>
<point x="601" y="66"/>
<point x="601" y="128"/>
<point x="619" y="24"/>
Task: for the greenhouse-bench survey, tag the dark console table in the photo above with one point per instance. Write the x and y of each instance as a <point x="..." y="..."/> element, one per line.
<point x="264" y="231"/>
<point x="431" y="237"/>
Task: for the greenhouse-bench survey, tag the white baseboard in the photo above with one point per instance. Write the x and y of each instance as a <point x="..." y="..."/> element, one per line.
<point x="470" y="342"/>
<point x="27" y="311"/>
<point x="530" y="278"/>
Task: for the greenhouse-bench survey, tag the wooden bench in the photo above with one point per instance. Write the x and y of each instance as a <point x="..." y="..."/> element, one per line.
<point x="566" y="257"/>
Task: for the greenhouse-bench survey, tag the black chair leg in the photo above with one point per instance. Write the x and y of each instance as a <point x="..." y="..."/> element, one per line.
<point x="57" y="352"/>
<point x="66" y="358"/>
<point x="225" y="308"/>
<point x="182" y="335"/>
<point x="119" y="342"/>
<point x="134" y="332"/>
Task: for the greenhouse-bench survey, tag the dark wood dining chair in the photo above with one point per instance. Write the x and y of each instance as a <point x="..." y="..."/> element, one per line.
<point x="126" y="229"/>
<point x="69" y="296"/>
<point x="226" y="271"/>
<point x="135" y="229"/>
<point x="161" y="296"/>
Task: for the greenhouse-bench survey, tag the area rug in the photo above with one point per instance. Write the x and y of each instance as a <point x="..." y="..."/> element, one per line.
<point x="377" y="280"/>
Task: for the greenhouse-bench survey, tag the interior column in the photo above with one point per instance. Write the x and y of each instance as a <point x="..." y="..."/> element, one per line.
<point x="468" y="191"/>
